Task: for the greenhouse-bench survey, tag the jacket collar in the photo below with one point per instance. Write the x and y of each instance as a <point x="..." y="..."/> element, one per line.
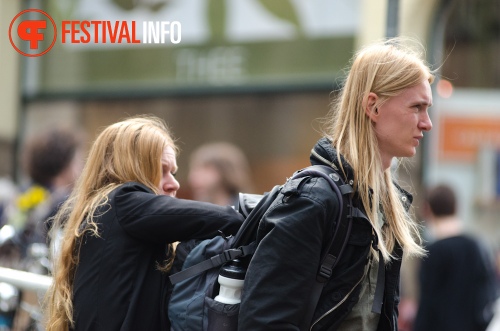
<point x="324" y="153"/>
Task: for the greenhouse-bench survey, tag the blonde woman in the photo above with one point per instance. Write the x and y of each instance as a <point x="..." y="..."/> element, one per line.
<point x="381" y="114"/>
<point x="111" y="273"/>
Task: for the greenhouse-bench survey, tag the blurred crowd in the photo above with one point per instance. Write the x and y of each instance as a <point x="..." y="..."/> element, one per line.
<point x="218" y="171"/>
<point x="50" y="162"/>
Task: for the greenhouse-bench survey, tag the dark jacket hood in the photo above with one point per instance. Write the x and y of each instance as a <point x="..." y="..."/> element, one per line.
<point x="324" y="153"/>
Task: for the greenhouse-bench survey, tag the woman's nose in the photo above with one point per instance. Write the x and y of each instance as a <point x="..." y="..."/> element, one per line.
<point x="171" y="186"/>
<point x="425" y="123"/>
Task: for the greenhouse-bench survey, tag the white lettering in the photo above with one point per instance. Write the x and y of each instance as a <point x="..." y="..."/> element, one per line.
<point x="155" y="32"/>
<point x="164" y="30"/>
<point x="151" y="32"/>
<point x="175" y="32"/>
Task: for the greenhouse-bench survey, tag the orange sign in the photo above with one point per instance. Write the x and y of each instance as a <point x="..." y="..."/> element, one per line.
<point x="461" y="138"/>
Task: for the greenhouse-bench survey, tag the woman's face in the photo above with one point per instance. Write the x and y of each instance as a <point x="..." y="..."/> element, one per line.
<point x="399" y="123"/>
<point x="168" y="184"/>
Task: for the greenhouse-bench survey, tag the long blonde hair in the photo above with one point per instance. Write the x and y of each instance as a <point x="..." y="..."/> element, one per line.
<point x="126" y="151"/>
<point x="386" y="69"/>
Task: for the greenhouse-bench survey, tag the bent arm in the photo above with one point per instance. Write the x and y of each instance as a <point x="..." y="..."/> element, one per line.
<point x="160" y="218"/>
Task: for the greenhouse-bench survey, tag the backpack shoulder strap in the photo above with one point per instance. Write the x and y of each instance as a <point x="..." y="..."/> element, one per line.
<point x="337" y="242"/>
<point x="248" y="230"/>
<point x="243" y="243"/>
<point x="334" y="248"/>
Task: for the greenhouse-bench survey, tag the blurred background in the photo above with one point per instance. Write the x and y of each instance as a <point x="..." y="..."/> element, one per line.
<point x="261" y="74"/>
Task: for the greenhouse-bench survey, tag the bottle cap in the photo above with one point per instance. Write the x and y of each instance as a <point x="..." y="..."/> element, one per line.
<point x="233" y="269"/>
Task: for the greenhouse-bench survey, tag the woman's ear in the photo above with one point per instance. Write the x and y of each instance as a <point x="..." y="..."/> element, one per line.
<point x="371" y="106"/>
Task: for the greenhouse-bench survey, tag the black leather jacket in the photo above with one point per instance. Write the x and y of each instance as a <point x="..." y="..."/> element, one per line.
<point x="282" y="271"/>
<point x="117" y="284"/>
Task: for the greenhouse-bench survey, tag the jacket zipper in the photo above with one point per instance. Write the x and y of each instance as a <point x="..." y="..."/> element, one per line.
<point x="340" y="302"/>
<point x="321" y="158"/>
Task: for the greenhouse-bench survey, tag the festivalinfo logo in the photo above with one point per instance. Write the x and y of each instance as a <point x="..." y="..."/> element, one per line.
<point x="33" y="26"/>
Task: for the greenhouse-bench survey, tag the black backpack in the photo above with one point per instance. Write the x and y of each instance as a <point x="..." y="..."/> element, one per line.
<point x="192" y="305"/>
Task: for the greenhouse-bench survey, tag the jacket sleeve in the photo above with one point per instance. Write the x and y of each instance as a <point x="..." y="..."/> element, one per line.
<point x="282" y="271"/>
<point x="159" y="218"/>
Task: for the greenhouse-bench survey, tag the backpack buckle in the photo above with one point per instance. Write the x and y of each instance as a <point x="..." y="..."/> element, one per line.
<point x="325" y="271"/>
<point x="232" y="254"/>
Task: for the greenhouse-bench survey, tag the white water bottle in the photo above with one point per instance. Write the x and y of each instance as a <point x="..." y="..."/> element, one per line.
<point x="231" y="278"/>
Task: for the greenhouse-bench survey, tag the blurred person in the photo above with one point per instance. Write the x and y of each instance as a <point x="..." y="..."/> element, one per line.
<point x="119" y="223"/>
<point x="381" y="114"/>
<point x="53" y="160"/>
<point x="218" y="172"/>
<point x="457" y="285"/>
